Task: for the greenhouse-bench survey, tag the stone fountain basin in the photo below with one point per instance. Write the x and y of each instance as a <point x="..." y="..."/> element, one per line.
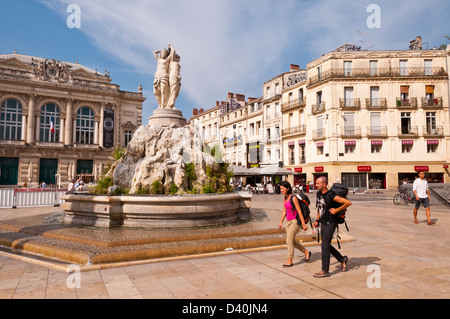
<point x="153" y="211"/>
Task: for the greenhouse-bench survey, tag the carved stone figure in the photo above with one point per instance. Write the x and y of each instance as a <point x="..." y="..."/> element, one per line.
<point x="166" y="86"/>
<point x="174" y="81"/>
<point x="51" y="70"/>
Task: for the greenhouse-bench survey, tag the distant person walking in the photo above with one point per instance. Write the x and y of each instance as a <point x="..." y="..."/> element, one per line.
<point x="328" y="223"/>
<point x="422" y="194"/>
<point x="292" y="227"/>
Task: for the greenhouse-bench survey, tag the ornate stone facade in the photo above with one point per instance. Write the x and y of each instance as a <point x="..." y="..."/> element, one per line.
<point x="60" y="120"/>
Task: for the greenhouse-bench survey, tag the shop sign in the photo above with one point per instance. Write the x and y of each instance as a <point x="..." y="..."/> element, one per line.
<point x="422" y="168"/>
<point x="298" y="169"/>
<point x="364" y="168"/>
<point x="319" y="169"/>
<point x="232" y="141"/>
<point x="377" y="142"/>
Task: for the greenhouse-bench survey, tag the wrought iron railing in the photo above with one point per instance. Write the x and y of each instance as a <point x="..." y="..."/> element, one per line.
<point x="376" y="72"/>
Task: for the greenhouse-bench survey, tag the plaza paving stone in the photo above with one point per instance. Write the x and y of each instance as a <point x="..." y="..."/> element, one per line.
<point x="414" y="260"/>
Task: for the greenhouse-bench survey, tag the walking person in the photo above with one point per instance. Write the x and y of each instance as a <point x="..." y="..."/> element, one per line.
<point x="422" y="195"/>
<point x="328" y="224"/>
<point x="292" y="227"/>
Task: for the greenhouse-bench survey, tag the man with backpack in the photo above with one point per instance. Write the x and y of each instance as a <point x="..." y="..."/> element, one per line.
<point x="327" y="213"/>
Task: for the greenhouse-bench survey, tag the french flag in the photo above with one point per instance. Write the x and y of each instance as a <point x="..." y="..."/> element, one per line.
<point x="52" y="125"/>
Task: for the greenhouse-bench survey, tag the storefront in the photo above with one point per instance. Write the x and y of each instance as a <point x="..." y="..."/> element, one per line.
<point x="300" y="179"/>
<point x="364" y="179"/>
<point x="431" y="177"/>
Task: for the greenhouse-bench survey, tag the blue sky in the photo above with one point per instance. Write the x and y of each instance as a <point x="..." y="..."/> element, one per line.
<point x="225" y="45"/>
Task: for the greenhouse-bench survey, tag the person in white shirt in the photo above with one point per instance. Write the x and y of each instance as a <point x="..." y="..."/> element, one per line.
<point x="71" y="187"/>
<point x="422" y="194"/>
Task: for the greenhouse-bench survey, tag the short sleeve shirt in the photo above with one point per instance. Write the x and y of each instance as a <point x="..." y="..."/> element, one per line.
<point x="421" y="187"/>
<point x="324" y="203"/>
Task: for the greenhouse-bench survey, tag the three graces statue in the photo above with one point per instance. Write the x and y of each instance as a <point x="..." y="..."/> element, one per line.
<point x="166" y="86"/>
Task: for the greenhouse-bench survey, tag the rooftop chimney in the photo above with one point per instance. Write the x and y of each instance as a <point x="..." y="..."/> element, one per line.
<point x="195" y="112"/>
<point x="294" y="67"/>
<point x="240" y="97"/>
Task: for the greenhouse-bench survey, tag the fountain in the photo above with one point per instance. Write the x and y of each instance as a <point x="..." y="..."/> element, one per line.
<point x="167" y="162"/>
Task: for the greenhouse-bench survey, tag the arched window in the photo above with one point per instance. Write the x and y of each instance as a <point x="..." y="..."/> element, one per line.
<point x="85" y="126"/>
<point x="11" y="120"/>
<point x="50" y="123"/>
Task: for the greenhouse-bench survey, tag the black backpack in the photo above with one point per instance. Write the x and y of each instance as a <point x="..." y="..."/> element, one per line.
<point x="304" y="203"/>
<point x="341" y="191"/>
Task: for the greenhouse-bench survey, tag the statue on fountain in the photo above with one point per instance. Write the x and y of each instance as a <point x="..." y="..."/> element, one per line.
<point x="166" y="88"/>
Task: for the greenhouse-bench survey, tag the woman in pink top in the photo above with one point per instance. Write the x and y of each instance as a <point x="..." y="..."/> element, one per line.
<point x="292" y="227"/>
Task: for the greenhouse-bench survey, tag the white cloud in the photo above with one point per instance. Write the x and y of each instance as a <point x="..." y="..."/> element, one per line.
<point x="225" y="45"/>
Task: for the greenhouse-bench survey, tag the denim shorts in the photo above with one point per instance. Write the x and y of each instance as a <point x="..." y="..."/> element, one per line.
<point x="422" y="201"/>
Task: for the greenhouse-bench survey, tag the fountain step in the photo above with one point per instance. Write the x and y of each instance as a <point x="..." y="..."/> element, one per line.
<point x="45" y="238"/>
<point x="74" y="252"/>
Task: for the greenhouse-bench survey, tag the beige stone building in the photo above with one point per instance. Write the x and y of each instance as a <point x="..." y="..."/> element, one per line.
<point x="374" y="118"/>
<point x="60" y="120"/>
<point x="294" y="124"/>
<point x="368" y="119"/>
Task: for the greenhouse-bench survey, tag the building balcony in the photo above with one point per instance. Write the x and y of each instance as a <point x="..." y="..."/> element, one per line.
<point x="318" y="134"/>
<point x="377" y="132"/>
<point x="270" y="141"/>
<point x="318" y="108"/>
<point x="351" y="132"/>
<point x="409" y="103"/>
<point x="376" y="104"/>
<point x="359" y="73"/>
<point x="350" y="104"/>
<point x="408" y="131"/>
<point x="436" y="132"/>
<point x="297" y="103"/>
<point x="435" y="103"/>
<point x="301" y="129"/>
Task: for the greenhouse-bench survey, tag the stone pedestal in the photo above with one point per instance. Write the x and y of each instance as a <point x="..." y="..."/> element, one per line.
<point x="167" y="117"/>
